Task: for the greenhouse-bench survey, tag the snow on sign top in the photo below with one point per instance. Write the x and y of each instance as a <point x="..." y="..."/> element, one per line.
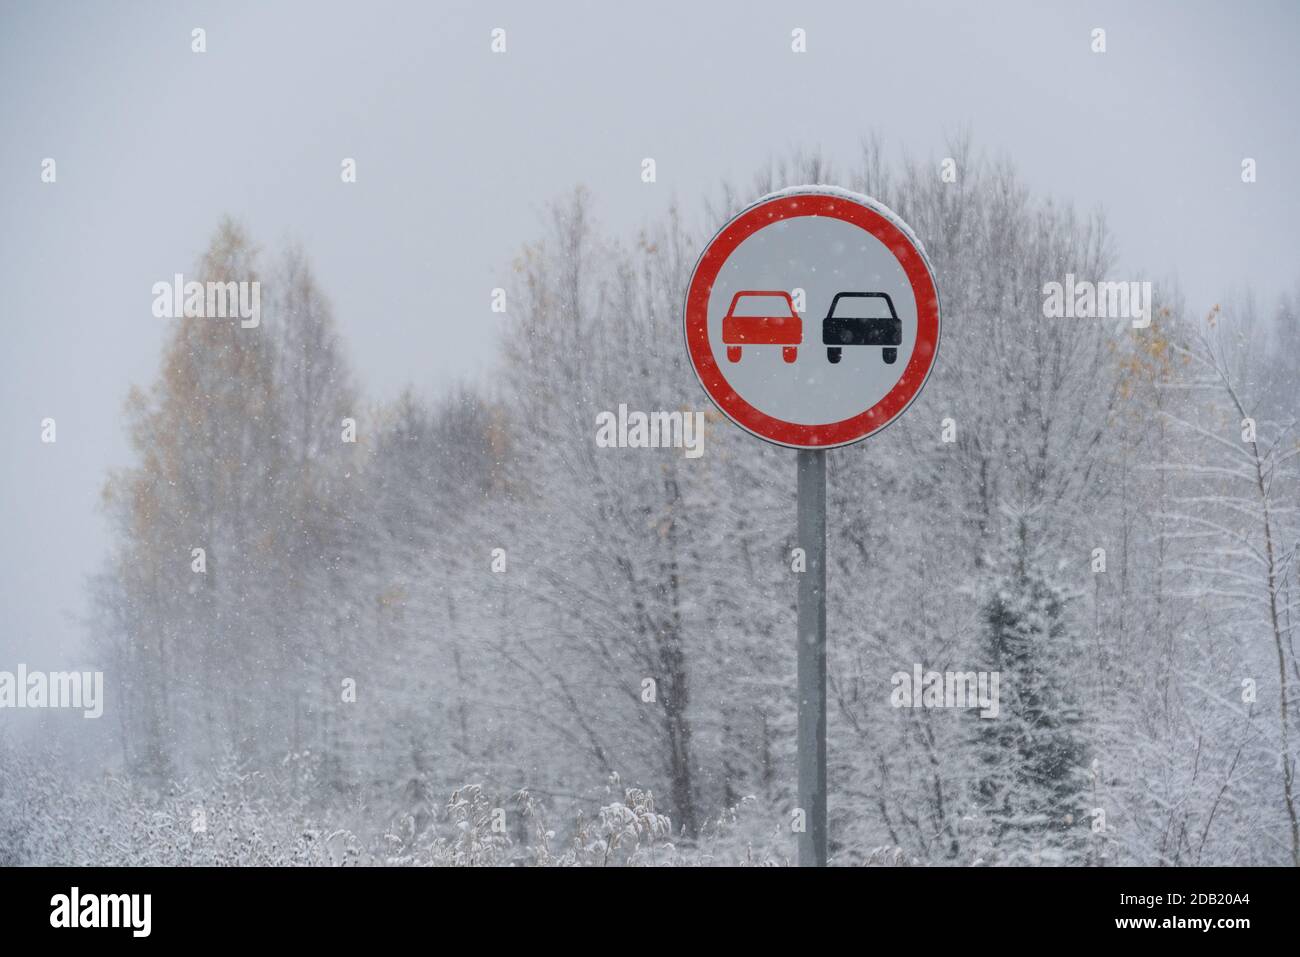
<point x="812" y="318"/>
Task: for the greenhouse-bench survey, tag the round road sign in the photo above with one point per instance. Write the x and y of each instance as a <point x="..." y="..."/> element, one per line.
<point x="812" y="318"/>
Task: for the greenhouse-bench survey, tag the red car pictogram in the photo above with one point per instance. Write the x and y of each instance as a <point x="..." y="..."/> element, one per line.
<point x="762" y="318"/>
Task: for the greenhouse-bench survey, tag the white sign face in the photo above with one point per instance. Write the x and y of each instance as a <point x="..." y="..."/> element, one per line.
<point x="812" y="318"/>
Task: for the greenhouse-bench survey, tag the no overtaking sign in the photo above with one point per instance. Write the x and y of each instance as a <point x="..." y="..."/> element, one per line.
<point x="812" y="318"/>
<point x="812" y="321"/>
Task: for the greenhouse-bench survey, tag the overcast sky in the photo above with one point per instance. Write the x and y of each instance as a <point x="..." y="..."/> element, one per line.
<point x="458" y="151"/>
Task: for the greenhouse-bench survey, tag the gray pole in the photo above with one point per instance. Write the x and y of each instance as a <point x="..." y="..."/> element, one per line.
<point x="811" y="510"/>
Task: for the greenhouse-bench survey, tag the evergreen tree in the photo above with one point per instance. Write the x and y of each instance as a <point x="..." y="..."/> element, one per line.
<point x="1032" y="755"/>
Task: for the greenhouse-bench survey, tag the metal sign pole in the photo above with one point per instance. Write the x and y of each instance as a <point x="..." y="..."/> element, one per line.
<point x="811" y="511"/>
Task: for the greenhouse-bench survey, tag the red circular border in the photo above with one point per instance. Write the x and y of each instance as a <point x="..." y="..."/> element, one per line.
<point x="831" y="434"/>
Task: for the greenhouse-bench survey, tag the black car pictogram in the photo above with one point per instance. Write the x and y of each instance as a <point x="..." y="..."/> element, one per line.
<point x="862" y="319"/>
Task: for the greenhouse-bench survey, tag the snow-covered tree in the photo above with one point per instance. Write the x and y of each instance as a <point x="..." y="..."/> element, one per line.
<point x="1033" y="755"/>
